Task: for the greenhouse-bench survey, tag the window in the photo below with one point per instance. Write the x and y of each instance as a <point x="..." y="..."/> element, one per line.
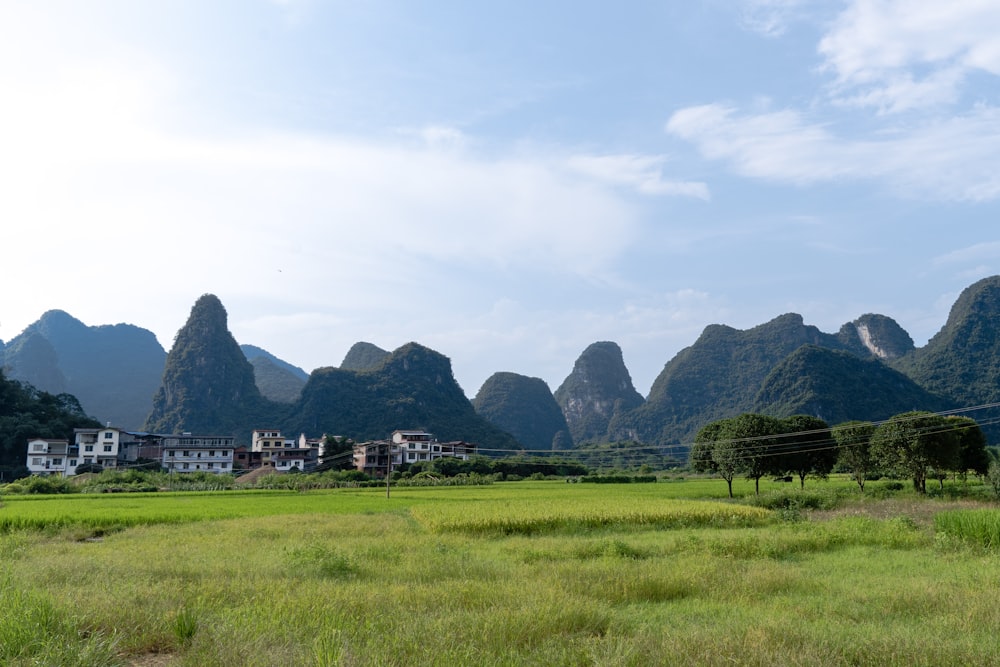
<point x="212" y="453"/>
<point x="88" y="448"/>
<point x="72" y="463"/>
<point x="57" y="462"/>
<point x="107" y="448"/>
<point x="37" y="461"/>
<point x="109" y="435"/>
<point x="187" y="453"/>
<point x="185" y="466"/>
<point x="211" y="465"/>
<point x="225" y="465"/>
<point x="38" y="447"/>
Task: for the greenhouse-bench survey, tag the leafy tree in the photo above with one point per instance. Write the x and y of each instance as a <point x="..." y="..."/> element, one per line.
<point x="855" y="452"/>
<point x="338" y="452"/>
<point x="972" y="452"/>
<point x="807" y="447"/>
<point x="715" y="452"/>
<point x="916" y="444"/>
<point x="754" y="438"/>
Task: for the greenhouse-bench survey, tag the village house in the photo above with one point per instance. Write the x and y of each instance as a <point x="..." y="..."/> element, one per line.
<point x="373" y="457"/>
<point x="103" y="446"/>
<point x="192" y="453"/>
<point x="52" y="457"/>
<point x="112" y="447"/>
<point x="268" y="447"/>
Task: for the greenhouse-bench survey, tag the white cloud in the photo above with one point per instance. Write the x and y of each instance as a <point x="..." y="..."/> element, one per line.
<point x="643" y="173"/>
<point x="896" y="55"/>
<point x="769" y="17"/>
<point x="974" y="253"/>
<point x="953" y="159"/>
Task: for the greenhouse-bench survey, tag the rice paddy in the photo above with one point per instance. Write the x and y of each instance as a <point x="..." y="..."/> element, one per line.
<point x="539" y="573"/>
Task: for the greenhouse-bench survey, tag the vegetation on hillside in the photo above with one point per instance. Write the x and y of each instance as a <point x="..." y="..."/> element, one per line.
<point x="413" y="388"/>
<point x="114" y="370"/>
<point x="27" y="413"/>
<point x="208" y="384"/>
<point x="524" y="407"/>
<point x="598" y="391"/>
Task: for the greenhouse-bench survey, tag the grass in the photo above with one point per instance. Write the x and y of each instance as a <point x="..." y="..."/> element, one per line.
<point x="351" y="578"/>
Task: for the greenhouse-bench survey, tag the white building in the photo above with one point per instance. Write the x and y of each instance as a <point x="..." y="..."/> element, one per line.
<point x="191" y="453"/>
<point x="406" y="447"/>
<point x="51" y="457"/>
<point x="268" y="447"/>
<point x="421" y="446"/>
<point x="102" y="446"/>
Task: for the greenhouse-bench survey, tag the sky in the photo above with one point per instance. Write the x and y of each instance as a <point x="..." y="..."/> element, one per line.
<point x="503" y="182"/>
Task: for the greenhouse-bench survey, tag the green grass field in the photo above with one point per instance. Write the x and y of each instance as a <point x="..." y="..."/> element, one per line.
<point x="527" y="573"/>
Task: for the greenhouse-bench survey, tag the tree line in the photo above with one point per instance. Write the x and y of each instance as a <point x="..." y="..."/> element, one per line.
<point x="916" y="445"/>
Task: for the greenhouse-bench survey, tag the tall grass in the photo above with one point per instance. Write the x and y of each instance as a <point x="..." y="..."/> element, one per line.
<point x="353" y="578"/>
<point x="979" y="526"/>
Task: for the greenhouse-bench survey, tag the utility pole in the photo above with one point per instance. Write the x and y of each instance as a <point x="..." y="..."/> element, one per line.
<point x="388" y="464"/>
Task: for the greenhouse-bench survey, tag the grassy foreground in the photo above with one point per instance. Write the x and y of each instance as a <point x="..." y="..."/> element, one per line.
<point x="511" y="574"/>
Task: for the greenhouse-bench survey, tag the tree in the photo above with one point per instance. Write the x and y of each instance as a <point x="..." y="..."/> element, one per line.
<point x="855" y="452"/>
<point x="972" y="452"/>
<point x="806" y="447"/>
<point x="753" y="438"/>
<point x="714" y="452"/>
<point x="337" y="451"/>
<point x="916" y="444"/>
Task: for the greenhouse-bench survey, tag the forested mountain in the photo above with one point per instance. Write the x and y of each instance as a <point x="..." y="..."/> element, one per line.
<point x="962" y="360"/>
<point x="113" y="369"/>
<point x="524" y="407"/>
<point x="363" y="357"/>
<point x="869" y="369"/>
<point x="208" y="384"/>
<point x="719" y="376"/>
<point x="277" y="380"/>
<point x="877" y="335"/>
<point x="598" y="390"/>
<point x="412" y="388"/>
<point x="838" y="386"/>
<point x="26" y="413"/>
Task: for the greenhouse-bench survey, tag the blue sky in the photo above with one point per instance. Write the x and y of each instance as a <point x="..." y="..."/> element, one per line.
<point x="503" y="182"/>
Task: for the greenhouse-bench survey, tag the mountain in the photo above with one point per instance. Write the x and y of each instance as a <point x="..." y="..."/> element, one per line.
<point x="962" y="360"/>
<point x="524" y="407"/>
<point x="877" y="335"/>
<point x="113" y="370"/>
<point x="276" y="379"/>
<point x="208" y="384"/>
<point x="31" y="358"/>
<point x="716" y="377"/>
<point x="413" y="388"/>
<point x="839" y="386"/>
<point x="363" y="356"/>
<point x="598" y="391"/>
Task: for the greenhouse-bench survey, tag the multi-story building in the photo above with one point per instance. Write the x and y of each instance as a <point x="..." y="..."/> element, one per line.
<point x="373" y="457"/>
<point x="421" y="446"/>
<point x="102" y="446"/>
<point x="47" y="456"/>
<point x="268" y="447"/>
<point x="190" y="453"/>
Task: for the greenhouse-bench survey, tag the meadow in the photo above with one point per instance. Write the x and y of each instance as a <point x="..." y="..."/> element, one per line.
<point x="523" y="573"/>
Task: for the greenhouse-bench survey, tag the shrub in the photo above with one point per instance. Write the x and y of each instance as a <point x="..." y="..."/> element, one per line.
<point x="47" y="485"/>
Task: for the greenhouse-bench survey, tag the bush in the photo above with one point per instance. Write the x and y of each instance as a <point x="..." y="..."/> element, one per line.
<point x="47" y="485"/>
<point x="796" y="500"/>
